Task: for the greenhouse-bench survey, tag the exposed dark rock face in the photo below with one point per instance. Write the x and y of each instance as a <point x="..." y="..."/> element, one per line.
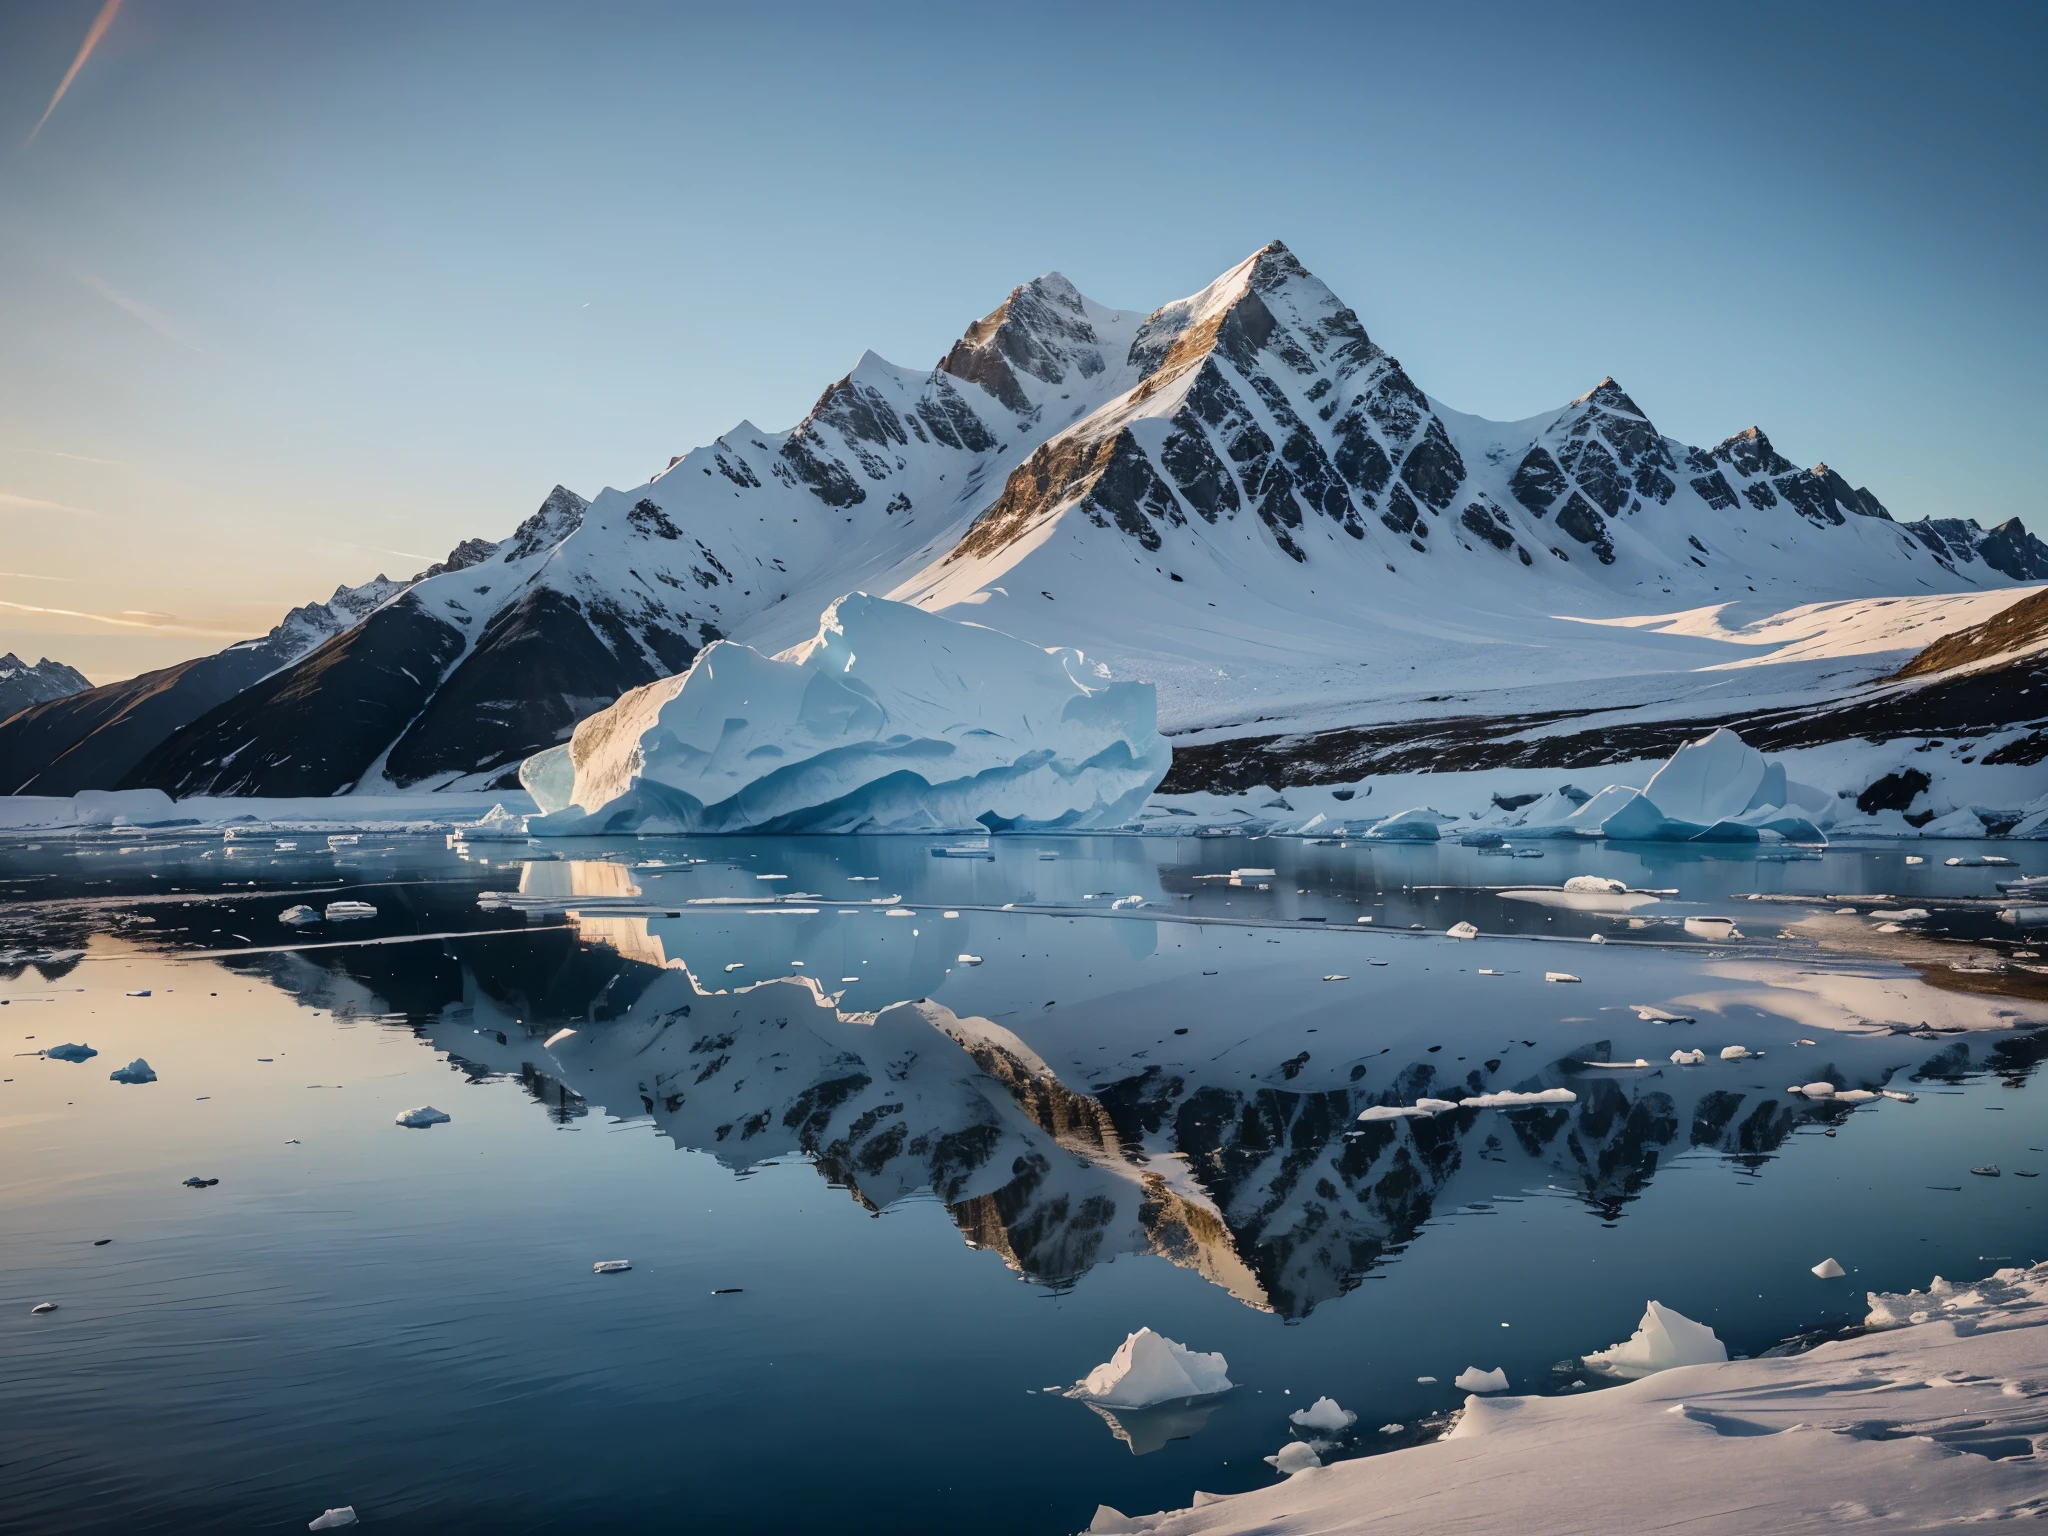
<point x="2009" y="548"/>
<point x="1893" y="792"/>
<point x="318" y="727"/>
<point x="1582" y="522"/>
<point x="1041" y="330"/>
<point x="22" y="685"/>
<point x="537" y="668"/>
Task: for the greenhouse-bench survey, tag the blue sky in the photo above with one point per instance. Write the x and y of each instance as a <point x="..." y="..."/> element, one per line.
<point x="293" y="294"/>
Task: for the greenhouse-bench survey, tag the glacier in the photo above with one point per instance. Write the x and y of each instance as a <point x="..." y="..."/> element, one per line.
<point x="890" y="719"/>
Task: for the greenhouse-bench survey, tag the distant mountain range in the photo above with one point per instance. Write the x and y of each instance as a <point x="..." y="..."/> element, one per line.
<point x="22" y="685"/>
<point x="1238" y="495"/>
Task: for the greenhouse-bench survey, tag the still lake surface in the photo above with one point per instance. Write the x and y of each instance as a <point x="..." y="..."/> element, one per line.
<point x="868" y="1233"/>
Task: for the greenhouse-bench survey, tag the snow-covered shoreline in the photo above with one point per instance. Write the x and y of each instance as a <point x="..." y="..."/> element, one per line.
<point x="1934" y="1417"/>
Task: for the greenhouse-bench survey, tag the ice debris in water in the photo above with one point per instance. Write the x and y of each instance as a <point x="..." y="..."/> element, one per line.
<point x="1814" y="1090"/>
<point x="970" y="960"/>
<point x="346" y="911"/>
<point x="1663" y="1340"/>
<point x="1392" y="1429"/>
<point x="1828" y="1269"/>
<point x="889" y="719"/>
<point x="137" y="1071"/>
<point x="419" y="1119"/>
<point x="1323" y="1414"/>
<point x="1716" y="789"/>
<point x="1423" y="1109"/>
<point x="1462" y="931"/>
<point x="1559" y="976"/>
<point x="1651" y="1015"/>
<point x="298" y="916"/>
<point x="1736" y="1053"/>
<point x="611" y="1266"/>
<point x="1425" y="1381"/>
<point x="1688" y="1058"/>
<point x="1598" y="884"/>
<point x="71" y="1052"/>
<point x="1715" y="928"/>
<point x="1295" y="1456"/>
<point x="1124" y="902"/>
<point x="1149" y="1368"/>
<point x="1473" y="1379"/>
<point x="334" y="1519"/>
<point x="42" y="1306"/>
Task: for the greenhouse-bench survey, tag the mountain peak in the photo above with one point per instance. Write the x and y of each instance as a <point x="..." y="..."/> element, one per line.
<point x="1609" y="395"/>
<point x="1041" y="330"/>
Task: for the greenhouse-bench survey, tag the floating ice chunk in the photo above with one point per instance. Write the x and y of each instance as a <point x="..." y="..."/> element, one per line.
<point x="1914" y="858"/>
<point x="1425" y="1381"/>
<point x="1988" y="1171"/>
<point x="1473" y="1379"/>
<point x="1293" y="1457"/>
<point x="1598" y="938"/>
<point x="1323" y="1414"/>
<point x="334" y="1519"/>
<point x="1828" y="1269"/>
<point x="1899" y="914"/>
<point x="1149" y="1368"/>
<point x="1392" y="1429"/>
<point x="1816" y="1090"/>
<point x="137" y="1071"/>
<point x="557" y="1038"/>
<point x="970" y="960"/>
<point x="347" y="911"/>
<point x="419" y="1119"/>
<point x="42" y="1306"/>
<point x="143" y="992"/>
<point x="71" y="1052"/>
<point x="1462" y="931"/>
<point x="1662" y="1340"/>
<point x="1559" y="976"/>
<point x="1528" y="853"/>
<point x="1736" y="1053"/>
<point x="1418" y="824"/>
<point x="1716" y="928"/>
<point x="1854" y="1096"/>
<point x="1124" y="902"/>
<point x="1365" y="919"/>
<point x="1623" y="1066"/>
<point x="736" y="965"/>
<point x="889" y="719"/>
<point x="298" y="916"/>
<point x="1508" y="1099"/>
<point x="1651" y="1015"/>
<point x="1903" y="1098"/>
<point x="611" y="1266"/>
<point x="1596" y="884"/>
<point x="1688" y="1058"/>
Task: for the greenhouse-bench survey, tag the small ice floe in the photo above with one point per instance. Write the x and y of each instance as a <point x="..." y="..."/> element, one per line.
<point x="1899" y="914"/>
<point x="1528" y="853"/>
<point x="949" y="914"/>
<point x="899" y="912"/>
<point x="1651" y="1015"/>
<point x="287" y="847"/>
<point x="1664" y="1339"/>
<point x="419" y="1119"/>
<point x="967" y="960"/>
<point x="1125" y="903"/>
<point x="1914" y="858"/>
<point x="1149" y="1368"/>
<point x="42" y="1306"/>
<point x="1618" y="1066"/>
<point x="1323" y="1414"/>
<point x="195" y="1182"/>
<point x="349" y="911"/>
<point x="1422" y="1109"/>
<point x="1688" y="1058"/>
<point x="1854" y="1096"/>
<point x="1598" y="938"/>
<point x="557" y="1038"/>
<point x="1559" y="976"/>
<point x="1597" y="885"/>
<point x="1715" y="928"/>
<point x="1295" y="1456"/>
<point x="1336" y="977"/>
<point x="1473" y="1379"/>
<point x="1902" y="1098"/>
<point x="137" y="1071"/>
<point x="1988" y="1171"/>
<point x="1461" y="931"/>
<point x="1392" y="1429"/>
<point x="611" y="1266"/>
<point x="1251" y="874"/>
<point x="143" y="992"/>
<point x="1828" y="1269"/>
<point x="1736" y="1053"/>
<point x="298" y="916"/>
<point x="1977" y="861"/>
<point x="1425" y="1381"/>
<point x="1484" y="971"/>
<point x="334" y="1519"/>
<point x="70" y="1051"/>
<point x="349" y="839"/>
<point x="1814" y="1090"/>
<point x="1365" y="919"/>
<point x="735" y="966"/>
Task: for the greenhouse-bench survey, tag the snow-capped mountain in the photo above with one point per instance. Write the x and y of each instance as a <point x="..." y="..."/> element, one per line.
<point x="1239" y="496"/>
<point x="22" y="685"/>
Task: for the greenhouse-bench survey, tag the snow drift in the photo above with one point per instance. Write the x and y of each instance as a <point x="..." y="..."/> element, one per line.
<point x="890" y="719"/>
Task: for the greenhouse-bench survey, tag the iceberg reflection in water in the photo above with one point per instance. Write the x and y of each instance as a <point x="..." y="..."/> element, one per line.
<point x="905" y="1203"/>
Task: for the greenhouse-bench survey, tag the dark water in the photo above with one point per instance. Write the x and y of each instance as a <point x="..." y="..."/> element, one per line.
<point x="924" y="1215"/>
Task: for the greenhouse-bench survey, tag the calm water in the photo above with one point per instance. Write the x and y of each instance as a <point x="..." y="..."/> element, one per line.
<point x="921" y="1217"/>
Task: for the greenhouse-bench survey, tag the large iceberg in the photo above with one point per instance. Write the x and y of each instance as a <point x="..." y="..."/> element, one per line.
<point x="1149" y="1368"/>
<point x="1718" y="789"/>
<point x="890" y="720"/>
